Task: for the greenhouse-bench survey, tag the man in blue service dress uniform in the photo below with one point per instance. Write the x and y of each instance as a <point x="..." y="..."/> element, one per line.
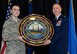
<point x="58" y="44"/>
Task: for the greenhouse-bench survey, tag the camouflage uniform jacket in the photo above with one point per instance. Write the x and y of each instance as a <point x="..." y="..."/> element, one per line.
<point x="10" y="35"/>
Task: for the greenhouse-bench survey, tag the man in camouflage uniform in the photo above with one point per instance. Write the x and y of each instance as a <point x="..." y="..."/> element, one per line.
<point x="14" y="42"/>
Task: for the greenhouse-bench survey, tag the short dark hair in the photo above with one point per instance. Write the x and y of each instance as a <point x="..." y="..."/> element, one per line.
<point x="15" y="5"/>
<point x="58" y="4"/>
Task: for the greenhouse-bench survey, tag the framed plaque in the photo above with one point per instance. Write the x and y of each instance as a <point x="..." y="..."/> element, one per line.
<point x="36" y="29"/>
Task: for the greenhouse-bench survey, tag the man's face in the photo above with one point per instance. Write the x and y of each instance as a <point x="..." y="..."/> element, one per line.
<point x="15" y="11"/>
<point x="56" y="9"/>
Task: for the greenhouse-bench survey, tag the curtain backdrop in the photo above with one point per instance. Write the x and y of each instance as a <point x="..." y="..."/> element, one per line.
<point x="43" y="7"/>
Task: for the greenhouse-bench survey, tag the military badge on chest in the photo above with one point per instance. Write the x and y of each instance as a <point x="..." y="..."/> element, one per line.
<point x="58" y="22"/>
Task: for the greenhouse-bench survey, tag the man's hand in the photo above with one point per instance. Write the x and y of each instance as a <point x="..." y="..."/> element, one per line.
<point x="47" y="42"/>
<point x="21" y="39"/>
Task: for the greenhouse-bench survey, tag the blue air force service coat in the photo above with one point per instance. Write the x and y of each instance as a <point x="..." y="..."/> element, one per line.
<point x="59" y="41"/>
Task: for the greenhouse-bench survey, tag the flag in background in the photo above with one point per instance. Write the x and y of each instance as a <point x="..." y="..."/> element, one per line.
<point x="57" y="1"/>
<point x="9" y="8"/>
<point x="71" y="31"/>
<point x="3" y="47"/>
<point x="29" y="49"/>
<point x="30" y="7"/>
<point x="3" y="44"/>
